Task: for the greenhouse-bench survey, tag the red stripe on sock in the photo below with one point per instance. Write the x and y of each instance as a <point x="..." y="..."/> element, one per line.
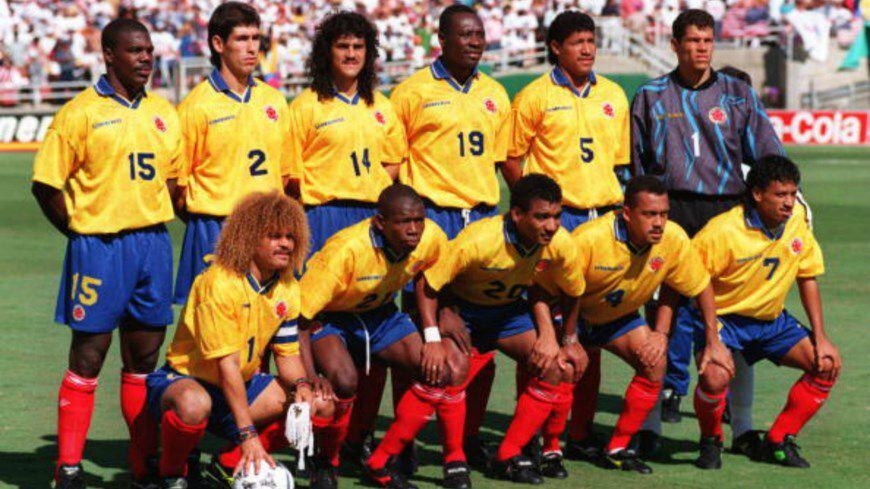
<point x="533" y="408"/>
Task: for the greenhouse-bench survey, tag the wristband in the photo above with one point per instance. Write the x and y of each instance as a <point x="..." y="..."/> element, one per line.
<point x="569" y="339"/>
<point x="303" y="381"/>
<point x="246" y="433"/>
<point x="431" y="334"/>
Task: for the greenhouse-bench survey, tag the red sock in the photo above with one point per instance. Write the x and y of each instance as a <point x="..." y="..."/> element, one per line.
<point x="178" y="439"/>
<point x="709" y="408"/>
<point x="640" y="397"/>
<point x="141" y="425"/>
<point x="585" y="398"/>
<point x="451" y="423"/>
<point x="368" y="402"/>
<point x="555" y="424"/>
<point x="330" y="432"/>
<point x="271" y="437"/>
<point x="75" y="407"/>
<point x="481" y="373"/>
<point x="533" y="408"/>
<point x="413" y="412"/>
<point x="804" y="399"/>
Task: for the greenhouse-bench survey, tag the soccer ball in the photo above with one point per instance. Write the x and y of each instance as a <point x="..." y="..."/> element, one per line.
<point x="268" y="478"/>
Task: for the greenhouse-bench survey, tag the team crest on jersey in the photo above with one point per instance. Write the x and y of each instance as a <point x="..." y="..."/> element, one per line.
<point x="281" y="309"/>
<point x="608" y="110"/>
<point x="379" y="116"/>
<point x="490" y="105"/>
<point x="271" y="113"/>
<point x="656" y="263"/>
<point x="797" y="245"/>
<point x="78" y="312"/>
<point x="542" y="265"/>
<point x="161" y="126"/>
<point x="717" y="116"/>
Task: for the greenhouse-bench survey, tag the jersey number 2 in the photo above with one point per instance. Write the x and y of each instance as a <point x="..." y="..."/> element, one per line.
<point x="258" y="158"/>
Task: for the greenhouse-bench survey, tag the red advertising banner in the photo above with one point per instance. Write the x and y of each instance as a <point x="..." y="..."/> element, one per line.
<point x="822" y="127"/>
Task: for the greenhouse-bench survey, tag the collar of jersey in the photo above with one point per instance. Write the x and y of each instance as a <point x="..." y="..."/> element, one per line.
<point x="512" y="236"/>
<point x="620" y="231"/>
<point x="439" y="72"/>
<point x="380" y="241"/>
<point x="560" y="78"/>
<point x="340" y="96"/>
<point x="265" y="286"/>
<point x="675" y="76"/>
<point x="219" y="84"/>
<point x="105" y="89"/>
<point x="753" y="221"/>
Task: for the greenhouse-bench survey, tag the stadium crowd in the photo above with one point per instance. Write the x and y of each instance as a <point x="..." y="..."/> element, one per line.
<point x="58" y="41"/>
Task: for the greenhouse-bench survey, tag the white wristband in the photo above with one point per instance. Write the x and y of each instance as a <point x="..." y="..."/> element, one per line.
<point x="431" y="334"/>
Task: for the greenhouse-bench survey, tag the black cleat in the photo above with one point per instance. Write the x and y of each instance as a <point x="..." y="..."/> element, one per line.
<point x="749" y="444"/>
<point x="195" y="478"/>
<point x="358" y="453"/>
<point x="323" y="475"/>
<point x="710" y="456"/>
<point x="174" y="483"/>
<point x="534" y="451"/>
<point x="517" y="469"/>
<point x="407" y="462"/>
<point x="671" y="408"/>
<point x="216" y="476"/>
<point x="70" y="477"/>
<point x="646" y="443"/>
<point x="478" y="455"/>
<point x="588" y="449"/>
<point x="785" y="453"/>
<point x="388" y="477"/>
<point x="552" y="466"/>
<point x="625" y="459"/>
<point x="457" y="475"/>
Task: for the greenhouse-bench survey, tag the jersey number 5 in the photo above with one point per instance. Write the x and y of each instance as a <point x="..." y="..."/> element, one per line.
<point x="586" y="153"/>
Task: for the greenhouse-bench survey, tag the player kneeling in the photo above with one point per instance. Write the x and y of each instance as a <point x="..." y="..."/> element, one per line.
<point x="246" y="302"/>
<point x="754" y="253"/>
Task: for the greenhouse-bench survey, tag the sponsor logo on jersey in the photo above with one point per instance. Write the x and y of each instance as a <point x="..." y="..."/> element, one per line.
<point x="438" y="103"/>
<point x="78" y="312"/>
<point x="797" y="245"/>
<point x="717" y="116"/>
<point x="607" y="108"/>
<point x="329" y="123"/>
<point x="656" y="263"/>
<point x="607" y="268"/>
<point x="281" y="309"/>
<point x="159" y="124"/>
<point x="221" y="119"/>
<point x="558" y="108"/>
<point x="271" y="113"/>
<point x="379" y="116"/>
<point x="490" y="105"/>
<point x="542" y="265"/>
<point x="367" y="278"/>
<point x="107" y="123"/>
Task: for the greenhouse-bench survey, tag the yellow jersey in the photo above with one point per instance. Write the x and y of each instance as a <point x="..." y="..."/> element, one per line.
<point x="752" y="268"/>
<point x="487" y="265"/>
<point x="111" y="158"/>
<point x="457" y="134"/>
<point x="236" y="144"/>
<point x="228" y="313"/>
<point x="575" y="137"/>
<point x="357" y="271"/>
<point x="342" y="144"/>
<point x="621" y="278"/>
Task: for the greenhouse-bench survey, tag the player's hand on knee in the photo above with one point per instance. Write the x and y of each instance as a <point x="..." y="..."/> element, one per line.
<point x="653" y="351"/>
<point x="828" y="361"/>
<point x="543" y="354"/>
<point x="253" y="454"/>
<point x="304" y="393"/>
<point x="451" y="325"/>
<point x="716" y="353"/>
<point x="574" y="355"/>
<point x="434" y="362"/>
<point x="323" y="388"/>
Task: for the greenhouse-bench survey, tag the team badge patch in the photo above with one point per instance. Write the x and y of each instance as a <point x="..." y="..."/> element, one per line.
<point x="542" y="265"/>
<point x="271" y="113"/>
<point x="608" y="110"/>
<point x="379" y="116"/>
<point x="656" y="263"/>
<point x="717" y="116"/>
<point x="78" y="312"/>
<point x="159" y="124"/>
<point x="489" y="105"/>
<point x="797" y="245"/>
<point x="281" y="309"/>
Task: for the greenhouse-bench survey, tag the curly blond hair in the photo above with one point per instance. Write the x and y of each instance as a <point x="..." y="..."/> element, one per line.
<point x="254" y="218"/>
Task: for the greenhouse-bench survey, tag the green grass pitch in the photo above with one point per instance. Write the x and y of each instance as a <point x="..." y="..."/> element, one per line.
<point x="33" y="353"/>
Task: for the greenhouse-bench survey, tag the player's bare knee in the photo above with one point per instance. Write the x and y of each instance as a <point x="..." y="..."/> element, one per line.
<point x="191" y="406"/>
<point x="555" y="374"/>
<point x="458" y="366"/>
<point x="715" y="379"/>
<point x="322" y="408"/>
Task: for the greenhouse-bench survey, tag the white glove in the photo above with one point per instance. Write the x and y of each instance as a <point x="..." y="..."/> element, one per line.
<point x="298" y="430"/>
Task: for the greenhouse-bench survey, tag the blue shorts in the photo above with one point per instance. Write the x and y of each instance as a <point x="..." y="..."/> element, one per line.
<point x="383" y="326"/>
<point x="488" y="324"/>
<point x="328" y="219"/>
<point x="200" y="238"/>
<point x="108" y="279"/>
<point x="573" y="217"/>
<point x="755" y="338"/>
<point x="600" y="335"/>
<point x="452" y="220"/>
<point x="221" y="421"/>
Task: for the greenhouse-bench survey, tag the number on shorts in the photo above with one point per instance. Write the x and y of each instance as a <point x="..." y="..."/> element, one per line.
<point x="88" y="294"/>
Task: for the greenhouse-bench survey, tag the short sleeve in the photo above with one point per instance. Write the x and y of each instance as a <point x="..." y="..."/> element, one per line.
<point x="176" y="160"/>
<point x="296" y="138"/>
<point x="323" y="279"/>
<point x="622" y="155"/>
<point x="285" y="343"/>
<point x="687" y="274"/>
<point x="568" y="275"/>
<point x="58" y="156"/>
<point x="395" y="144"/>
<point x="715" y="257"/>
<point x="811" y="264"/>
<point x="455" y="258"/>
<point x="193" y="135"/>
<point x="503" y="128"/>
<point x="290" y="166"/>
<point x="217" y="332"/>
<point x="400" y="100"/>
<point x="524" y="121"/>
